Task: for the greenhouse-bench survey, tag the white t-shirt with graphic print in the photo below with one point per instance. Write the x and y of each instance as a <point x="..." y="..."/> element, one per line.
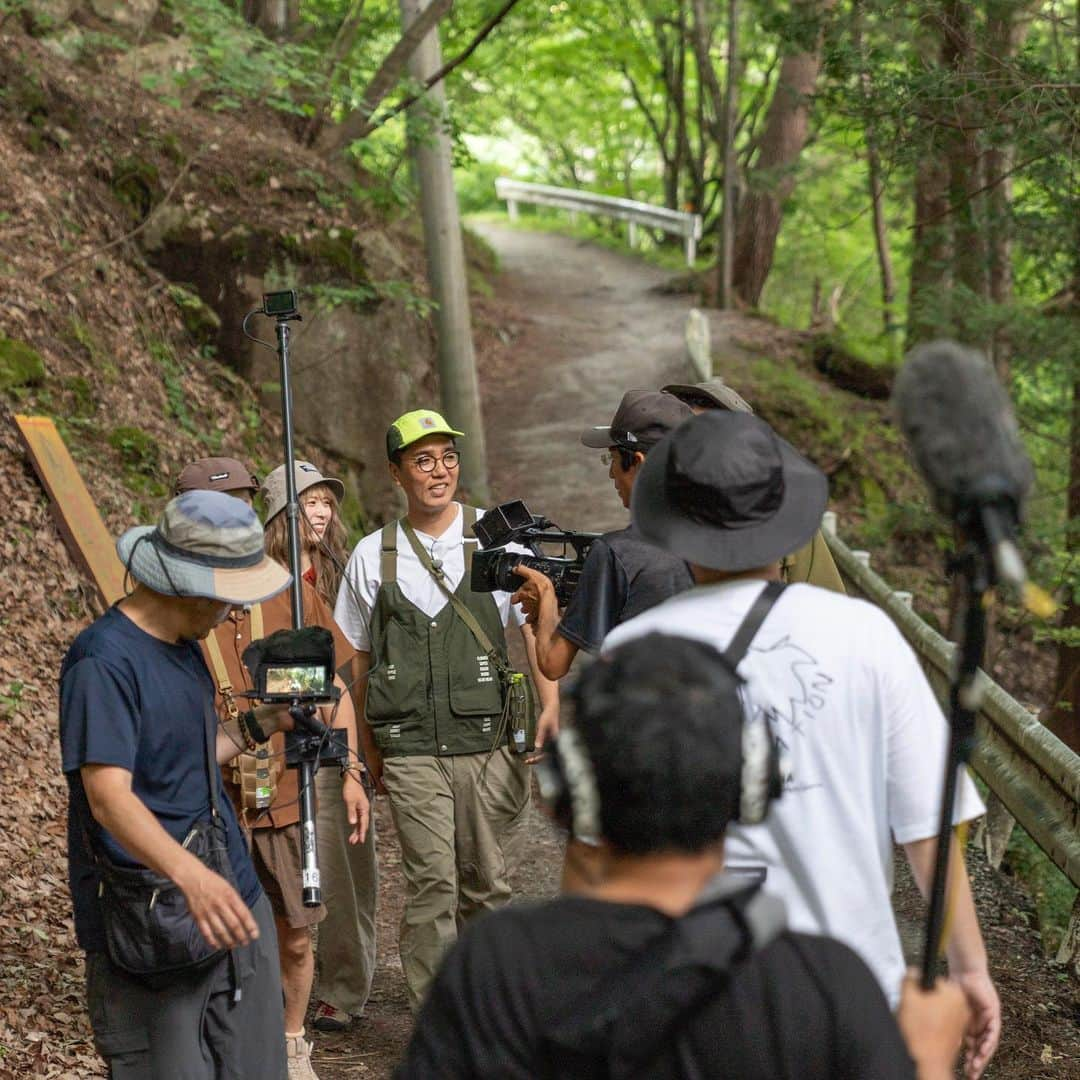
<point x="865" y="742"/>
<point x="356" y="597"/>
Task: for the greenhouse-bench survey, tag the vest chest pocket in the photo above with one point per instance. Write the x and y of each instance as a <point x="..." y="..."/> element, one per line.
<point x="475" y="687"/>
<point x="397" y="687"/>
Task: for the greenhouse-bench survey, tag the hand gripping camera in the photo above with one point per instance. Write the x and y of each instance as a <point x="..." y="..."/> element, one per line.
<point x="511" y="523"/>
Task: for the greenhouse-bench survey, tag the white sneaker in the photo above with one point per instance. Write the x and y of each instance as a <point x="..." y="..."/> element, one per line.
<point x="298" y="1052"/>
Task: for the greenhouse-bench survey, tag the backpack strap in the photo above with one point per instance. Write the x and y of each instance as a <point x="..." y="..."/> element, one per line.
<point x="221" y="675"/>
<point x="388" y="554"/>
<point x="757" y="614"/>
<point x="468" y="533"/>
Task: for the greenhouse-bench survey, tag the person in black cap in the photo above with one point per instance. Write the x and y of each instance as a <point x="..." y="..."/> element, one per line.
<point x="813" y="562"/>
<point x="666" y="967"/>
<point x="622" y="575"/>
<point x="863" y="735"/>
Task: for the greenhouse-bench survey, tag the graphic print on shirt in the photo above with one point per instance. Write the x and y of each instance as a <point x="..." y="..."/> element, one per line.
<point x="798" y="692"/>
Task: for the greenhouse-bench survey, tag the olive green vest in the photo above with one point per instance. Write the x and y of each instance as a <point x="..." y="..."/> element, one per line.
<point x="432" y="689"/>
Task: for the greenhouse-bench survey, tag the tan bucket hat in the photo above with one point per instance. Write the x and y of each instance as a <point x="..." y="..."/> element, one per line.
<point x="307" y="476"/>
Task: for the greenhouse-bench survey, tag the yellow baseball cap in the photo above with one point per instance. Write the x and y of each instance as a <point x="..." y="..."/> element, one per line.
<point x="413" y="426"/>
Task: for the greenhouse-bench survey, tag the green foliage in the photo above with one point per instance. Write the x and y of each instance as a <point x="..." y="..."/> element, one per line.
<point x="235" y="66"/>
<point x="141" y="456"/>
<point x="200" y="320"/>
<point x="173" y="378"/>
<point x="20" y="365"/>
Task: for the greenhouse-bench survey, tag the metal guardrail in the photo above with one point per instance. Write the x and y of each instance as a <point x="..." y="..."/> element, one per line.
<point x="679" y="222"/>
<point x="1033" y="773"/>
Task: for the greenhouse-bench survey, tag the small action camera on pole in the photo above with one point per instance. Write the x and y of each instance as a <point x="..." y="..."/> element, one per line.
<point x="286" y="666"/>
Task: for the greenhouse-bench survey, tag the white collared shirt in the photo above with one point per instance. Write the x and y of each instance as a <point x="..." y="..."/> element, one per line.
<point x="356" y="597"/>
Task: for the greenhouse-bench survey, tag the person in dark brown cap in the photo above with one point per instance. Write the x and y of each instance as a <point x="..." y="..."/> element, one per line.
<point x="622" y="576"/>
<point x="218" y="474"/>
<point x="812" y="563"/>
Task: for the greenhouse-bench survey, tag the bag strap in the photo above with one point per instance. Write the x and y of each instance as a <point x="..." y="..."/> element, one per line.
<point x="256" y="616"/>
<point x="757" y="614"/>
<point x="388" y="554"/>
<point x="638" y="1007"/>
<point x="213" y="773"/>
<point x="459" y="606"/>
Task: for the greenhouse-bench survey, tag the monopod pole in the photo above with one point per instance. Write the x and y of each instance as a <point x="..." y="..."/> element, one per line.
<point x="963" y="706"/>
<point x="309" y="842"/>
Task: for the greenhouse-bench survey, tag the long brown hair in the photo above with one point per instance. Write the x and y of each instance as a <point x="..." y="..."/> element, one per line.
<point x="328" y="569"/>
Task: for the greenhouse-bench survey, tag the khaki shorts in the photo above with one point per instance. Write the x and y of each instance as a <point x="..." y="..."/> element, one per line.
<point x="277" y="862"/>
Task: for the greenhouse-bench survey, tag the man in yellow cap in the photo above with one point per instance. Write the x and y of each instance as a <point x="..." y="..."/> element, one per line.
<point x="428" y="674"/>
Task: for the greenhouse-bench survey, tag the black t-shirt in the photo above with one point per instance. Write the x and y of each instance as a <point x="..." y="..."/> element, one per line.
<point x="622" y="577"/>
<point x="801" y="1007"/>
<point x="132" y="700"/>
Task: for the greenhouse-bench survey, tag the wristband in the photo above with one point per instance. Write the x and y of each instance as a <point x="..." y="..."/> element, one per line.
<point x="249" y="726"/>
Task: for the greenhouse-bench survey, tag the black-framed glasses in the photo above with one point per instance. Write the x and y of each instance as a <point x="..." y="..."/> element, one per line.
<point x="426" y="462"/>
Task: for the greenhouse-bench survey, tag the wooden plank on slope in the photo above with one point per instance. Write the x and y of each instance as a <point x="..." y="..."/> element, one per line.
<point x="77" y="517"/>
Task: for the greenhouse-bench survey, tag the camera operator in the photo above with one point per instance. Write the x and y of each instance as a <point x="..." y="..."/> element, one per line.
<point x="140" y="751"/>
<point x="433" y="737"/>
<point x="665" y="967"/>
<point x="865" y="738"/>
<point x="622" y="575"/>
<point x="272" y="817"/>
<point x="812" y="563"/>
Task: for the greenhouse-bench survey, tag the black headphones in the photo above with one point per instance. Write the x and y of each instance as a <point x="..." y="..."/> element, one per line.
<point x="567" y="780"/>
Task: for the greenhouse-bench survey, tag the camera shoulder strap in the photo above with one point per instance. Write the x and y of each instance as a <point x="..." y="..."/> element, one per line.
<point x="757" y="614"/>
<point x="388" y="554"/>
<point x="459" y="606"/>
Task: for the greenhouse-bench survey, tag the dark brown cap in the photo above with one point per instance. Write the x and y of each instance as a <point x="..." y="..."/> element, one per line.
<point x="216" y="474"/>
<point x="642" y="419"/>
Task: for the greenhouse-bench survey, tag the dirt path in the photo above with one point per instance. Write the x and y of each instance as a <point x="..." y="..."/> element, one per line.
<point x="571" y="328"/>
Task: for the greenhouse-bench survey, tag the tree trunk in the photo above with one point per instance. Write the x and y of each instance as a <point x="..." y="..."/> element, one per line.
<point x="1006" y="29"/>
<point x="359" y="123"/>
<point x="930" y="280"/>
<point x="965" y="170"/>
<point x="275" y="18"/>
<point x="877" y="192"/>
<point x="787" y="124"/>
<point x="1065" y="717"/>
<point x="446" y="261"/>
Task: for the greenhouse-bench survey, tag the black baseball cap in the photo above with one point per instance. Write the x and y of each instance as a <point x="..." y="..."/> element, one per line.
<point x="642" y="419"/>
<point x="711" y="394"/>
<point x="725" y="491"/>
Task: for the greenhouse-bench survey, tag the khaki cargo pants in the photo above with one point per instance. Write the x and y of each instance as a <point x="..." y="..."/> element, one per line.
<point x="350" y="886"/>
<point x="459" y="822"/>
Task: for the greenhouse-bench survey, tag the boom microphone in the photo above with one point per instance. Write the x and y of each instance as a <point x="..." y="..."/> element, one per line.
<point x="960" y="425"/>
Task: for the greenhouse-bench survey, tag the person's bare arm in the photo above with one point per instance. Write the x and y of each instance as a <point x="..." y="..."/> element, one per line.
<point x="359" y="667"/>
<point x="933" y="1023"/>
<point x="219" y="911"/>
<point x="230" y="740"/>
<point x="964" y="951"/>
<point x="547" y="724"/>
<point x="554" y="653"/>
<point x="352" y="789"/>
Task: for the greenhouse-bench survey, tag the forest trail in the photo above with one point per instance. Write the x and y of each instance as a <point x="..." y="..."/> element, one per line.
<point x="581" y="325"/>
<point x="592" y="327"/>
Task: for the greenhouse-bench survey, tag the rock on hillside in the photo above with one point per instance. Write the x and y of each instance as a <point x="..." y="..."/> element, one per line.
<point x="123" y="211"/>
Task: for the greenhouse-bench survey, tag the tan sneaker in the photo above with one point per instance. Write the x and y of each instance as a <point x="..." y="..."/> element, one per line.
<point x="298" y="1052"/>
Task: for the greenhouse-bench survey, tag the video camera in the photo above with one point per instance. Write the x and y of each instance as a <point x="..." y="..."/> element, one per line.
<point x="296" y="668"/>
<point x="511" y="523"/>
